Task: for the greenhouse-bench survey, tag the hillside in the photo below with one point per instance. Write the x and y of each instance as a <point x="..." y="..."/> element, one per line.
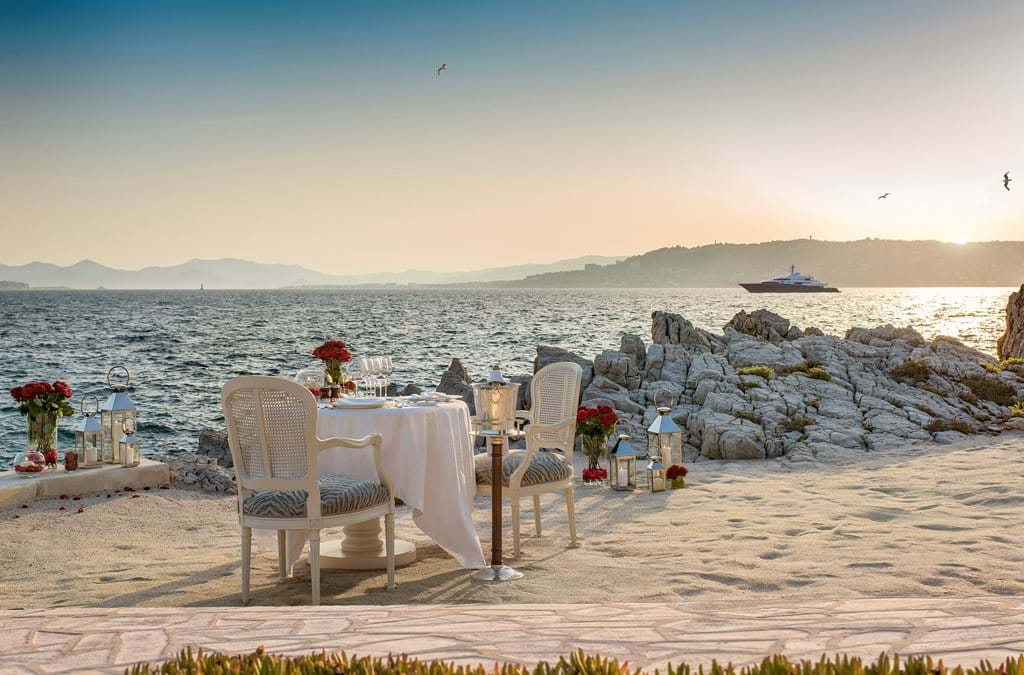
<point x="868" y="262"/>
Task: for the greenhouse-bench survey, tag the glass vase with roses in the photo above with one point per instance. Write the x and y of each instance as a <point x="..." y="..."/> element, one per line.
<point x="43" y="403"/>
<point x="595" y="426"/>
<point x="335" y="355"/>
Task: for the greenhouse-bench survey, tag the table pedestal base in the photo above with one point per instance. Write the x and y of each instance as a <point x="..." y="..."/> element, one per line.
<point x="362" y="548"/>
<point x="502" y="573"/>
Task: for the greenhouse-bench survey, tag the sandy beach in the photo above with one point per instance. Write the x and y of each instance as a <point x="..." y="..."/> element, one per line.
<point x="923" y="521"/>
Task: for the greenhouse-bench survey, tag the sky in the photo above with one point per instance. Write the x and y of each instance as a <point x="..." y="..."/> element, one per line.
<point x="147" y="133"/>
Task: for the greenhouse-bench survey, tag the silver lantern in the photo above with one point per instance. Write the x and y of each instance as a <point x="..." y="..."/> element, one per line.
<point x="89" y="436"/>
<point x="129" y="445"/>
<point x="656" y="475"/>
<point x="622" y="465"/>
<point x="664" y="437"/>
<point x="495" y="402"/>
<point x="116" y="410"/>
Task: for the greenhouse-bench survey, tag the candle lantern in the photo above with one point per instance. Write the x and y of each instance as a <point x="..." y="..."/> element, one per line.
<point x="129" y="445"/>
<point x="622" y="465"/>
<point x="664" y="437"/>
<point x="89" y="435"/>
<point x="495" y="402"/>
<point x="116" y="410"/>
<point x="656" y="475"/>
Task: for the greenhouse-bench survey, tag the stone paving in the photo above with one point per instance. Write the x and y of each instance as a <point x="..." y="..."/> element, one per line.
<point x="960" y="630"/>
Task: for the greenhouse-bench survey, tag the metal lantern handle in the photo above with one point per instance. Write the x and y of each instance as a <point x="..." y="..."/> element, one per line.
<point x="129" y="427"/>
<point x="654" y="399"/>
<point x="95" y="405"/>
<point x="117" y="370"/>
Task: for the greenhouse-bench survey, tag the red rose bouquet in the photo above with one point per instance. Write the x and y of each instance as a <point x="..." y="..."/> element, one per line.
<point x="333" y="353"/>
<point x="43" y="404"/>
<point x="594" y="426"/>
<point x="676" y="475"/>
<point x="595" y="475"/>
<point x="333" y="350"/>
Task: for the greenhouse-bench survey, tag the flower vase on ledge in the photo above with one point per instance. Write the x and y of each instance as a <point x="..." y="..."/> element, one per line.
<point x="42" y="436"/>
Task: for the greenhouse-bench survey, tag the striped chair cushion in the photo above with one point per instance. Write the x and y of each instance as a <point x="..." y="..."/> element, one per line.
<point x="544" y="468"/>
<point x="338" y="494"/>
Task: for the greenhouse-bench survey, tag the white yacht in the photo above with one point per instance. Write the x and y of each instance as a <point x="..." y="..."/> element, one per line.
<point x="794" y="282"/>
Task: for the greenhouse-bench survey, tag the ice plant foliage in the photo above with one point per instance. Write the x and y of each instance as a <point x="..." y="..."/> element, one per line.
<point x="578" y="663"/>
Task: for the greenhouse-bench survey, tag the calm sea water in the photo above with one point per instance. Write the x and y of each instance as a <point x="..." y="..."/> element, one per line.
<point x="182" y="345"/>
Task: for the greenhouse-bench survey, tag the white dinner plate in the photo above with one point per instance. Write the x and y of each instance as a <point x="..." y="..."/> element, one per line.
<point x="360" y="403"/>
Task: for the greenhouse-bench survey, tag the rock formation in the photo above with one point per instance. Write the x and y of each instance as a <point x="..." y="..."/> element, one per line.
<point x="456" y="381"/>
<point x="766" y="389"/>
<point x="1011" y="343"/>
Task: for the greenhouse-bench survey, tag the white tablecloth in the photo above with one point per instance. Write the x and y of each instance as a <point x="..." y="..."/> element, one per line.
<point x="427" y="454"/>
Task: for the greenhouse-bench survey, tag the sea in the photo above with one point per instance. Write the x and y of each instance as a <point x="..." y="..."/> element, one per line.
<point x="181" y="346"/>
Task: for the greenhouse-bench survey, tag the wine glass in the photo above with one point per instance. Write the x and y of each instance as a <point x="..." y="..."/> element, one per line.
<point x="388" y="367"/>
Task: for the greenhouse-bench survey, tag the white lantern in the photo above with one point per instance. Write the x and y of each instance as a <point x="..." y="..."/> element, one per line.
<point x="622" y="465"/>
<point x="656" y="475"/>
<point x="89" y="436"/>
<point x="116" y="410"/>
<point x="664" y="437"/>
<point x="129" y="445"/>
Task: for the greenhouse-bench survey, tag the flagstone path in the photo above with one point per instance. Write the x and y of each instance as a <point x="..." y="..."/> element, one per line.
<point x="960" y="630"/>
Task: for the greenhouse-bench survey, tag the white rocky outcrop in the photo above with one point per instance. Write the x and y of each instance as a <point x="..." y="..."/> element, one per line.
<point x="874" y="388"/>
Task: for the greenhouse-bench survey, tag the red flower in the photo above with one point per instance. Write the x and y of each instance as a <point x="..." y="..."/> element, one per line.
<point x="16" y="394"/>
<point x="333" y="349"/>
<point x="581" y="415"/>
<point x="62" y="388"/>
<point x="608" y="418"/>
<point x="676" y="471"/>
<point x="604" y="408"/>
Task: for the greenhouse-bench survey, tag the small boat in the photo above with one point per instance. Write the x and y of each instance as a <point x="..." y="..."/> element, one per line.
<point x="794" y="282"/>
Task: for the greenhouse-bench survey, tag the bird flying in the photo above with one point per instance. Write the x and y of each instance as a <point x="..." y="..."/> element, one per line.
<point x="885" y="195"/>
<point x="444" y="66"/>
<point x="1006" y="180"/>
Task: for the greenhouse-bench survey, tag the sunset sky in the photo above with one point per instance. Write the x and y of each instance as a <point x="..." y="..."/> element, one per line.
<point x="147" y="133"/>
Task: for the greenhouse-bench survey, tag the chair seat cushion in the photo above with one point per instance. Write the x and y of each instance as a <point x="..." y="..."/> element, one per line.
<point x="338" y="494"/>
<point x="544" y="468"/>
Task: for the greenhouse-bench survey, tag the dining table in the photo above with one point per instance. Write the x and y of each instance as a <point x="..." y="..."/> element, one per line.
<point x="427" y="452"/>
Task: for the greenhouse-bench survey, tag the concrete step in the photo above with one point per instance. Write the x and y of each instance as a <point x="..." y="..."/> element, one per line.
<point x="16" y="489"/>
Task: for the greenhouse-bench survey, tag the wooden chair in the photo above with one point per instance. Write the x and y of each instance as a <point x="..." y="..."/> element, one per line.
<point x="555" y="395"/>
<point x="272" y="434"/>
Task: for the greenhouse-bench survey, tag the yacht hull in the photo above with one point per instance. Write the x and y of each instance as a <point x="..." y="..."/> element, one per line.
<point x="771" y="287"/>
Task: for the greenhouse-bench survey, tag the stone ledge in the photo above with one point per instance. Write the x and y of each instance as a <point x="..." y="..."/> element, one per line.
<point x="15" y="489"/>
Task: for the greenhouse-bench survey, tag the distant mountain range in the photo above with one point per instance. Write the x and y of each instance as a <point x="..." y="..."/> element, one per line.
<point x="243" y="274"/>
<point x="868" y="262"/>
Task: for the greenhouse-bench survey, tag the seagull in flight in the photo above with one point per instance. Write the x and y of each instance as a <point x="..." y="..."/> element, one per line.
<point x="884" y="196"/>
<point x="1006" y="180"/>
<point x="444" y="66"/>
